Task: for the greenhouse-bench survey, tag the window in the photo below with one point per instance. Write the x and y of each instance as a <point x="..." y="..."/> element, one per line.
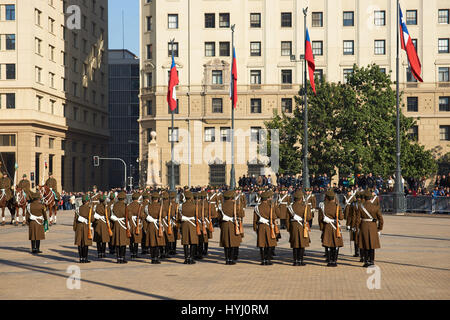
<point x="317" y="48"/>
<point x="217" y="174"/>
<point x="412" y="104"/>
<point x="286" y="48"/>
<point x="224" y="20"/>
<point x="224" y="49"/>
<point x="63" y="144"/>
<point x="255" y="134"/>
<point x="51" y="79"/>
<point x="175" y="49"/>
<point x="286" y="105"/>
<point x="10" y="42"/>
<point x="150" y="22"/>
<point x="286" y="76"/>
<point x="210" y="20"/>
<point x="444" y="103"/>
<point x="347" y="72"/>
<point x="349" y="19"/>
<point x="51" y="25"/>
<point x="411" y="17"/>
<point x="149" y="79"/>
<point x="37" y="141"/>
<point x="10" y="12"/>
<point x="75" y="40"/>
<point x="217" y="105"/>
<point x="255" y="20"/>
<point x="75" y="113"/>
<point x="51" y="50"/>
<point x="444" y="133"/>
<point x="75" y="89"/>
<point x="38" y="45"/>
<point x="10" y="71"/>
<point x="409" y="76"/>
<point x="51" y="143"/>
<point x="286" y="19"/>
<point x="255" y="105"/>
<point x="349" y="47"/>
<point x="210" y="135"/>
<point x="149" y="51"/>
<point x="149" y="107"/>
<point x="414" y="42"/>
<point x="255" y="49"/>
<point x="255" y="76"/>
<point x="443" y="74"/>
<point x="317" y="19"/>
<point x="210" y="49"/>
<point x="175" y="135"/>
<point x="443" y="46"/>
<point x="38" y="75"/>
<point x="225" y="134"/>
<point x="10" y="101"/>
<point x="74" y="64"/>
<point x="319" y="74"/>
<point x="172" y="21"/>
<point x="443" y="16"/>
<point x="7" y="140"/>
<point x="39" y="102"/>
<point x="413" y="133"/>
<point x="217" y="77"/>
<point x="176" y="171"/>
<point x="37" y="16"/>
<point x="380" y="18"/>
<point x="380" y="47"/>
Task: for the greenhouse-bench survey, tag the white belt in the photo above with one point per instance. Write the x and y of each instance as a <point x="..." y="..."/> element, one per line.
<point x="330" y="221"/>
<point x="367" y="220"/>
<point x="227" y="218"/>
<point x="298" y="219"/>
<point x="261" y="219"/>
<point x="82" y="220"/>
<point x="120" y="220"/>
<point x="152" y="220"/>
<point x="36" y="218"/>
<point x="99" y="217"/>
<point x="189" y="219"/>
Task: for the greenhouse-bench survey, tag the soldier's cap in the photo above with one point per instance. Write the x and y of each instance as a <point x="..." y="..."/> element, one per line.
<point x="196" y="195"/>
<point x="85" y="198"/>
<point x="172" y="194"/>
<point x="188" y="195"/>
<point x="135" y="196"/>
<point x="146" y="195"/>
<point x="122" y="195"/>
<point x="155" y="195"/>
<point x="35" y="195"/>
<point x="308" y="189"/>
<point x="203" y="194"/>
<point x="298" y="195"/>
<point x="330" y="194"/>
<point x="367" y="195"/>
<point x="24" y="175"/>
<point x="266" y="195"/>
<point x="228" y="194"/>
<point x="165" y="195"/>
<point x="112" y="195"/>
<point x="102" y="198"/>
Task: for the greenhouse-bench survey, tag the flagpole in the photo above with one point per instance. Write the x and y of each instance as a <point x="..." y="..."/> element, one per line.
<point x="305" y="175"/>
<point x="232" y="173"/>
<point x="398" y="188"/>
<point x="172" y="168"/>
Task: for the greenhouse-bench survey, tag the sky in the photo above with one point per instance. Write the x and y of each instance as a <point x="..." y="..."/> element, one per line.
<point x="131" y="24"/>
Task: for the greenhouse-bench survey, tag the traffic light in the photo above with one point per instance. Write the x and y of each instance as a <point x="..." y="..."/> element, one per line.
<point x="96" y="161"/>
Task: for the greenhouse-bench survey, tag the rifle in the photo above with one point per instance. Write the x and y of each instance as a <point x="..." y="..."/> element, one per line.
<point x="197" y="225"/>
<point x="211" y="227"/>
<point x="338" y="230"/>
<point x="241" y="226"/>
<point x="89" y="224"/>
<point x="272" y="229"/>
<point x="203" y="218"/>
<point x="107" y="221"/>
<point x="177" y="222"/>
<point x="236" y="222"/>
<point x="160" y="230"/>
<point x="137" y="221"/>
<point x="169" y="228"/>
<point x="305" y="223"/>
<point x="126" y="222"/>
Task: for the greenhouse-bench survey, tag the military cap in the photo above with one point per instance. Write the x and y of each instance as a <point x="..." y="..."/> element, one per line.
<point x="155" y="195"/>
<point x="172" y="194"/>
<point x="196" y="195"/>
<point x="112" y="195"/>
<point x="188" y="195"/>
<point x="24" y="175"/>
<point x="122" y="195"/>
<point x="367" y="195"/>
<point x="330" y="194"/>
<point x="266" y="195"/>
<point x="203" y="194"/>
<point x="146" y="195"/>
<point x="165" y="195"/>
<point x="85" y="198"/>
<point x="102" y="198"/>
<point x="298" y="195"/>
<point x="228" y="194"/>
<point x="135" y="196"/>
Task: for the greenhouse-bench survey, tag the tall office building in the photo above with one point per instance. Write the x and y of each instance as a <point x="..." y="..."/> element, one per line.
<point x="267" y="33"/>
<point x="123" y="117"/>
<point x="53" y="90"/>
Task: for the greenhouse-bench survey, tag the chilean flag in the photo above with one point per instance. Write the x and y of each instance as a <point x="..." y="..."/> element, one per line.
<point x="173" y="81"/>
<point x="310" y="59"/>
<point x="408" y="46"/>
<point x="233" y="84"/>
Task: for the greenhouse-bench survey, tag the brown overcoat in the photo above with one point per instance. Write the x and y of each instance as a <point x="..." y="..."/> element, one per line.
<point x="263" y="232"/>
<point x="282" y="202"/>
<point x="36" y="229"/>
<point x="135" y="210"/>
<point x="368" y="231"/>
<point x="5" y="183"/>
<point x="329" y="236"/>
<point x="81" y="228"/>
<point x="25" y="185"/>
<point x="228" y="236"/>
<point x="100" y="228"/>
<point x="152" y="232"/>
<point x="297" y="237"/>
<point x="119" y="237"/>
<point x="188" y="229"/>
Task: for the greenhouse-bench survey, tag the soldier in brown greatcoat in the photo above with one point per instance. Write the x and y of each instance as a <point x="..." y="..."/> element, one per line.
<point x="187" y="220"/>
<point x="109" y="203"/>
<point x="228" y="237"/>
<point x="5" y="192"/>
<point x="81" y="226"/>
<point x="205" y="234"/>
<point x="264" y="218"/>
<point x="36" y="216"/>
<point x="135" y="215"/>
<point x="153" y="211"/>
<point x="120" y="237"/>
<point x="283" y="200"/>
<point x="300" y="214"/>
<point x="329" y="218"/>
<point x="349" y="213"/>
<point x="311" y="200"/>
<point x="172" y="239"/>
<point x="144" y="244"/>
<point x="241" y="203"/>
<point x="101" y="221"/>
<point x="214" y="201"/>
<point x="370" y="222"/>
<point x="25" y="187"/>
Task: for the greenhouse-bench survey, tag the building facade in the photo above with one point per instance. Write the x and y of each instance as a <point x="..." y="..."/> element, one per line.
<point x="123" y="116"/>
<point x="267" y="34"/>
<point x="53" y="90"/>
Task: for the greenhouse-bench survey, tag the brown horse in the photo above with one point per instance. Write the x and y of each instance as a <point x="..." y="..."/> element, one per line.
<point x="6" y="204"/>
<point x="21" y="203"/>
<point x="49" y="201"/>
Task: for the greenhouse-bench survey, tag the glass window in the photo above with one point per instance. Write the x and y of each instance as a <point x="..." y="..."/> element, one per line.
<point x="380" y="46"/>
<point x="349" y="19"/>
<point x="149" y="51"/>
<point x="347" y="72"/>
<point x="410" y="76"/>
<point x="217" y="77"/>
<point x="149" y="23"/>
<point x="443" y="74"/>
<point x="255" y="134"/>
<point x="411" y="17"/>
<point x="210" y="49"/>
<point x="10" y="12"/>
<point x="255" y="49"/>
<point x="10" y="100"/>
<point x="175" y="134"/>
<point x="414" y="42"/>
<point x="10" y="42"/>
<point x="443" y="16"/>
<point x="37" y="141"/>
<point x="286" y="105"/>
<point x="286" y="76"/>
<point x="224" y="49"/>
<point x="255" y="105"/>
<point x="255" y="20"/>
<point x="217" y="174"/>
<point x="174" y="47"/>
<point x="380" y="18"/>
<point x="255" y="76"/>
<point x="225" y="134"/>
<point x="7" y="140"/>
<point x="10" y="71"/>
<point x="224" y="20"/>
<point x="173" y="21"/>
<point x="176" y="169"/>
<point x="444" y="103"/>
<point x="286" y="48"/>
<point x="317" y="19"/>
<point x="413" y="133"/>
<point x="349" y="47"/>
<point x="210" y="20"/>
<point x="412" y="104"/>
<point x="286" y="19"/>
<point x="210" y="134"/>
<point x="217" y="105"/>
<point x="443" y="46"/>
<point x="149" y="107"/>
<point x="319" y="74"/>
<point x="444" y="133"/>
<point x="317" y="48"/>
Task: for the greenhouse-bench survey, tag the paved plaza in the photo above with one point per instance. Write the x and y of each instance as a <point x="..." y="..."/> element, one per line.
<point x="414" y="263"/>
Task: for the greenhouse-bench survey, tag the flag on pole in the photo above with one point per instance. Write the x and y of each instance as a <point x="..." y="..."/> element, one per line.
<point x="233" y="84"/>
<point x="408" y="46"/>
<point x="173" y="81"/>
<point x="310" y="59"/>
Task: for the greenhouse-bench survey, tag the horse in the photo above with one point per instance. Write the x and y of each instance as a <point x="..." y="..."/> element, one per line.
<point x="21" y="203"/>
<point x="6" y="204"/>
<point x="48" y="199"/>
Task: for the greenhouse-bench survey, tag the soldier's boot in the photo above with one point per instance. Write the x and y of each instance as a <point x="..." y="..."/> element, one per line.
<point x="270" y="251"/>
<point x="295" y="256"/>
<point x="198" y="251"/>
<point x="231" y="255"/>
<point x="86" y="252"/>
<point x="263" y="256"/>
<point x="99" y="250"/>
<point x="361" y="253"/>
<point x="366" y="258"/>
<point x="157" y="255"/>
<point x="136" y="250"/>
<point x="282" y="224"/>
<point x="329" y="256"/>
<point x="356" y="250"/>
<point x="192" y="251"/>
<point x="123" y="253"/>
<point x="371" y="257"/>
<point x="227" y="261"/>
<point x="235" y="253"/>
<point x="112" y="249"/>
<point x="205" y="249"/>
<point x="38" y="245"/>
<point x="186" y="254"/>
<point x="33" y="246"/>
<point x="103" y="249"/>
<point x="301" y="255"/>
<point x="174" y="247"/>
<point x="80" y="254"/>
<point x="336" y="255"/>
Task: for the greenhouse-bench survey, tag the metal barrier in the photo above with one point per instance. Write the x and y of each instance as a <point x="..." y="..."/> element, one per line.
<point x="441" y="205"/>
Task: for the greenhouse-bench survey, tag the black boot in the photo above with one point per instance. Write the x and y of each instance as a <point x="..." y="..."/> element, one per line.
<point x="205" y="249"/>
<point x="371" y="257"/>
<point x="33" y="246"/>
<point x="123" y="251"/>
<point x="99" y="250"/>
<point x="328" y="252"/>
<point x="235" y="253"/>
<point x="174" y="248"/>
<point x="38" y="245"/>
<point x="295" y="256"/>
<point x="227" y="261"/>
<point x="301" y="254"/>
<point x="112" y="248"/>
<point x="272" y="252"/>
<point x="366" y="258"/>
<point x="356" y="251"/>
<point x="282" y="224"/>
<point x="186" y="254"/>
<point x="362" y="254"/>
<point x="85" y="254"/>
<point x="80" y="254"/>
<point x="336" y="255"/>
<point x="158" y="254"/>
<point x="231" y="255"/>
<point x="263" y="256"/>
<point x="269" y="252"/>
<point x="199" y="251"/>
<point x="192" y="252"/>
<point x="103" y="249"/>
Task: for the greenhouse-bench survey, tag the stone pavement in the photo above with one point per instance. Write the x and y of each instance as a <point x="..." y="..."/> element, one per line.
<point x="414" y="263"/>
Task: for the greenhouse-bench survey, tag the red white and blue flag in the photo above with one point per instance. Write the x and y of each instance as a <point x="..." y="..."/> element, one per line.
<point x="310" y="59"/>
<point x="173" y="81"/>
<point x="233" y="84"/>
<point x="408" y="46"/>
